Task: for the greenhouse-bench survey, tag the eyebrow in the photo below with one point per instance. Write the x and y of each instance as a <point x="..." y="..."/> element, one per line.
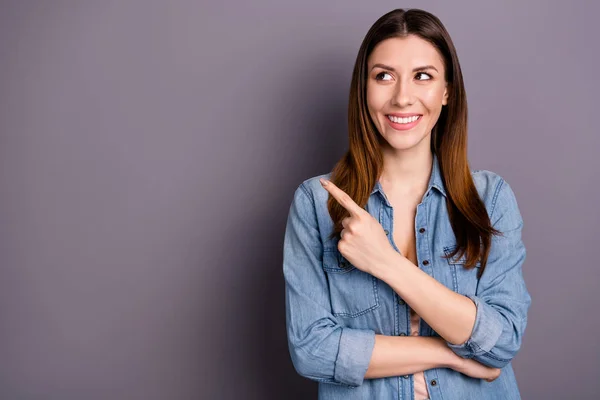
<point x="424" y="67"/>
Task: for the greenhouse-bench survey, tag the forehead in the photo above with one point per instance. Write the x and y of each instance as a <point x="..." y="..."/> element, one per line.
<point x="406" y="52"/>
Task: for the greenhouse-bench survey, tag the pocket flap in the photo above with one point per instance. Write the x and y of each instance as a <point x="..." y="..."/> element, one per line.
<point x="333" y="261"/>
<point x="462" y="260"/>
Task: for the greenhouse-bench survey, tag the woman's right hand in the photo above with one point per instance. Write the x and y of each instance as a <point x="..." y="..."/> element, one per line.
<point x="475" y="369"/>
<point x="467" y="366"/>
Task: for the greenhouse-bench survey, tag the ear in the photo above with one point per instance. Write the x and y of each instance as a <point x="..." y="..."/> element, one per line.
<point x="446" y="94"/>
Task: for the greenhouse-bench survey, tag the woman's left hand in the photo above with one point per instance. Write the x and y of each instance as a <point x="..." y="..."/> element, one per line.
<point x="363" y="241"/>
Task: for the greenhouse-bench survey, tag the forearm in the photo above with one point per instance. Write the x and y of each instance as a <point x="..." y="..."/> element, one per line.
<point x="448" y="313"/>
<point x="402" y="355"/>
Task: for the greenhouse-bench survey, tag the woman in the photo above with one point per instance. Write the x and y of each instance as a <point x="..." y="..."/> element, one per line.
<point x="402" y="266"/>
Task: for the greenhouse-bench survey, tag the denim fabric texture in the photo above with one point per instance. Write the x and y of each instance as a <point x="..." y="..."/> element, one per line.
<point x="334" y="310"/>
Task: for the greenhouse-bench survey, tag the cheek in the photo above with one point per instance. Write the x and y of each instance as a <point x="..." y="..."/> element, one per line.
<point x="373" y="105"/>
<point x="433" y="98"/>
<point x="375" y="98"/>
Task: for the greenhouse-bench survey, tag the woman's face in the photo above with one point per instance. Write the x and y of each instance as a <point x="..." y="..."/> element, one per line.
<point x="405" y="80"/>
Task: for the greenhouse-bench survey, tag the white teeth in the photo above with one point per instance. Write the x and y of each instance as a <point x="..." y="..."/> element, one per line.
<point x="403" y="120"/>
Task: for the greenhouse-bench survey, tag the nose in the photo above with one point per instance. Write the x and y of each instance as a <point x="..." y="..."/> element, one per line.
<point x="403" y="95"/>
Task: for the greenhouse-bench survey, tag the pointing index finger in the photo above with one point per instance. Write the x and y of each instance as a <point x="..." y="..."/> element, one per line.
<point x="342" y="197"/>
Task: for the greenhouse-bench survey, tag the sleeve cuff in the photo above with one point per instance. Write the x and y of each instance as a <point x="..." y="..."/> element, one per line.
<point x="354" y="356"/>
<point x="486" y="332"/>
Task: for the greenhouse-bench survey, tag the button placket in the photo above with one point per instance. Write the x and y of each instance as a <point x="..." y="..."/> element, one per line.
<point x="421" y="240"/>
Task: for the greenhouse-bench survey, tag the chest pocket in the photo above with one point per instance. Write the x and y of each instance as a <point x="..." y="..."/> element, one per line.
<point x="352" y="292"/>
<point x="464" y="280"/>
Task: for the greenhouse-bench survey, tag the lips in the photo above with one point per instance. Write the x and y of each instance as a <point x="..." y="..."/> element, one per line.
<point x="399" y="125"/>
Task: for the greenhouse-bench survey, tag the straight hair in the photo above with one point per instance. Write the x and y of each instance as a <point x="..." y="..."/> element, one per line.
<point x="360" y="167"/>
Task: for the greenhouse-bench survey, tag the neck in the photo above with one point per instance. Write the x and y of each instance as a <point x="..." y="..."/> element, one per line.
<point x="406" y="172"/>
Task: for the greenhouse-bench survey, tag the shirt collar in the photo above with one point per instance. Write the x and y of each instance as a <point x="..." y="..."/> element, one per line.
<point x="435" y="180"/>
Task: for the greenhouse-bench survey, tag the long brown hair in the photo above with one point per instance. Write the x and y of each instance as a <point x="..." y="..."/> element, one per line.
<point x="358" y="170"/>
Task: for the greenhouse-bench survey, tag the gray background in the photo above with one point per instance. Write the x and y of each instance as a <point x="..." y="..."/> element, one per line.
<point x="149" y="151"/>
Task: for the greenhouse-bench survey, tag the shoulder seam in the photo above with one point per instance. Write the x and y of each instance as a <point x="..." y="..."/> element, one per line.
<point x="307" y="193"/>
<point x="496" y="193"/>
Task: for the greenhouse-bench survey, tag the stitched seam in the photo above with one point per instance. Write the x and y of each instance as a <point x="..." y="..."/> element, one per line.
<point x="307" y="193"/>
<point x="329" y="381"/>
<point x="462" y="260"/>
<point x="490" y="355"/>
<point x="500" y="184"/>
<point x="340" y="314"/>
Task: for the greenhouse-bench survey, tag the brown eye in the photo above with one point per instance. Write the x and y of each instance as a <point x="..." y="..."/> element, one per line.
<point x="380" y="74"/>
<point x="423" y="73"/>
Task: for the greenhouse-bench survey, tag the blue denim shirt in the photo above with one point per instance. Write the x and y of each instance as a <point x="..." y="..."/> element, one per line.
<point x="334" y="310"/>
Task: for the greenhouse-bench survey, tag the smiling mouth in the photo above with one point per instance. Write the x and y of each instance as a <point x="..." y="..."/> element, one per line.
<point x="406" y="120"/>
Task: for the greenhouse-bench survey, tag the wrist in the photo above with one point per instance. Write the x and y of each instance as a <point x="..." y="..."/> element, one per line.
<point x="389" y="261"/>
<point x="449" y="358"/>
<point x="453" y="360"/>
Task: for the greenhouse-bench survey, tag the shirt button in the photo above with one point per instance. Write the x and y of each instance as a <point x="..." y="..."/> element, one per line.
<point x="400" y="301"/>
<point x="433" y="382"/>
<point x="421" y="230"/>
<point x="386" y="231"/>
<point x="402" y="334"/>
<point x="426" y="262"/>
<point x="405" y="376"/>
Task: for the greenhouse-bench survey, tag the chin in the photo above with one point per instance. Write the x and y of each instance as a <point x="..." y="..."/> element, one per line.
<point x="394" y="141"/>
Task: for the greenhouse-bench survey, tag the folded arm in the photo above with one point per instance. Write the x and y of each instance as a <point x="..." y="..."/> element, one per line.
<point x="489" y="325"/>
<point x="403" y="355"/>
<point x="321" y="348"/>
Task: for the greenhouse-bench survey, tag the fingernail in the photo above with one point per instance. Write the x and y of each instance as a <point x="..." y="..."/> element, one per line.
<point x="323" y="182"/>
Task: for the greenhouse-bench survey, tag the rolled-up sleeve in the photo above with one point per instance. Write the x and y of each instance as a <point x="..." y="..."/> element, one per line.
<point x="502" y="300"/>
<point x="321" y="349"/>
